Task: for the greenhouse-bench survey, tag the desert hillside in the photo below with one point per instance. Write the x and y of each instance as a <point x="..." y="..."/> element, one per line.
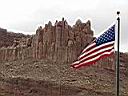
<point x="39" y="65"/>
<point x="44" y="78"/>
<point x="7" y="38"/>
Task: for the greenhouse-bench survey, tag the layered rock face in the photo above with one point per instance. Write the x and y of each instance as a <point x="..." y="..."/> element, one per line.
<point x="61" y="42"/>
<point x="58" y="43"/>
<point x="20" y="50"/>
<point x="13" y="46"/>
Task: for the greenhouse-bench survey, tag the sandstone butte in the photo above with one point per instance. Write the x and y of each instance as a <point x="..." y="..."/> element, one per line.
<point x="59" y="42"/>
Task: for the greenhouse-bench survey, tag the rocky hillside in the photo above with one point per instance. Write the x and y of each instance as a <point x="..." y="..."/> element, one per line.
<point x="124" y="62"/>
<point x="39" y="65"/>
<point x="44" y="78"/>
<point x="7" y="38"/>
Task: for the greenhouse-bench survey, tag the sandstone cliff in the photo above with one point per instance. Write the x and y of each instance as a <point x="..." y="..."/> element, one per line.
<point x="59" y="42"/>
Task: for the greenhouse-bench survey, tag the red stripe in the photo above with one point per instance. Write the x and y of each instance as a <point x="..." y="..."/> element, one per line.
<point x="92" y="62"/>
<point x="89" y="48"/>
<point x="96" y="55"/>
<point x="103" y="47"/>
<point x="74" y="65"/>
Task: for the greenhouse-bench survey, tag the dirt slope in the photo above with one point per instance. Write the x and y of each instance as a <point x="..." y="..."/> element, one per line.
<point x="44" y="78"/>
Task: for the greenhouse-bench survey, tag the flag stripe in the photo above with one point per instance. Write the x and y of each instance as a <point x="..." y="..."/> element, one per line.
<point x="78" y="62"/>
<point x="98" y="48"/>
<point x="96" y="54"/>
<point x="91" y="57"/>
<point x="89" y="47"/>
<point x="93" y="60"/>
<point x="96" y="51"/>
<point x="94" y="48"/>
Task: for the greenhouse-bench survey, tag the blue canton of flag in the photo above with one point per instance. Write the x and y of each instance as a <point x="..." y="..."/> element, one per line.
<point x="99" y="48"/>
<point x="107" y="36"/>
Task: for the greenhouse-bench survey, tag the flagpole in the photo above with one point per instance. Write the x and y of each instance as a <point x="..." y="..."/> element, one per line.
<point x="118" y="58"/>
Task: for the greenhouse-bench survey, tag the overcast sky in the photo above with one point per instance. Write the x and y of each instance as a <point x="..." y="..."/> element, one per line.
<point x="26" y="15"/>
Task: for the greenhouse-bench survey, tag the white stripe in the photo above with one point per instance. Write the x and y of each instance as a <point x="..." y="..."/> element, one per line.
<point x="94" y="58"/>
<point x="99" y="51"/>
<point x="76" y="62"/>
<point x="83" y="52"/>
<point x="89" y="46"/>
<point x="96" y="48"/>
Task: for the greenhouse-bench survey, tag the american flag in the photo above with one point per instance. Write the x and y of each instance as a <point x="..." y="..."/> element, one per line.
<point x="100" y="47"/>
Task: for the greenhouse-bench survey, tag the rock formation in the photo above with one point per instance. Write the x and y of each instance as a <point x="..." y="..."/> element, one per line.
<point x="7" y="38"/>
<point x="59" y="43"/>
<point x="13" y="46"/>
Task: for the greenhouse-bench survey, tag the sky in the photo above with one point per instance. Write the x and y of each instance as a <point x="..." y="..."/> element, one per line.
<point x="26" y="15"/>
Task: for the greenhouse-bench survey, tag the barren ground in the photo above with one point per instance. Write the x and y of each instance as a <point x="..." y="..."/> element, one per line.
<point x="43" y="78"/>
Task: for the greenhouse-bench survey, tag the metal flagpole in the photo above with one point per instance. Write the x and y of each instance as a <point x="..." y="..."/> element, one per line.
<point x="118" y="58"/>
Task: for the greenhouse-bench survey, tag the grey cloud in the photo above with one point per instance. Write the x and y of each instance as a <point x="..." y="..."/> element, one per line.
<point x="101" y="18"/>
